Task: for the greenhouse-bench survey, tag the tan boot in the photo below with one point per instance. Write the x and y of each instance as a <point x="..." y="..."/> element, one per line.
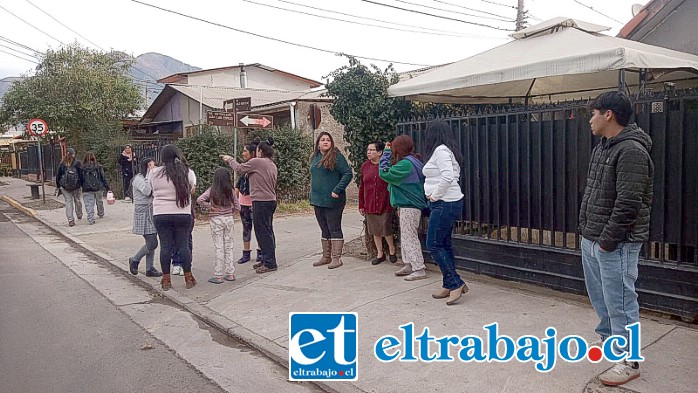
<point x="336" y="252"/>
<point x="326" y="253"/>
<point x="442" y="293"/>
<point x="189" y="280"/>
<point x="166" y="283"/>
<point x="456" y="294"/>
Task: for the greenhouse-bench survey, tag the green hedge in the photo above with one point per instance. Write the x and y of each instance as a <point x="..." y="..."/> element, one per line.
<point x="292" y="149"/>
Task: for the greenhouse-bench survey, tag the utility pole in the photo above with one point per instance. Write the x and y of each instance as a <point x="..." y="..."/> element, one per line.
<point x="520" y="16"/>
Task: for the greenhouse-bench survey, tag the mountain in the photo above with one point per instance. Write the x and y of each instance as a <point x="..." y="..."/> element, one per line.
<point x="146" y="70"/>
<point x="152" y="66"/>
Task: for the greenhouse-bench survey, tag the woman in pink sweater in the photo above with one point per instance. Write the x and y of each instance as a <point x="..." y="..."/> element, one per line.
<point x="172" y="185"/>
<point x="262" y="175"/>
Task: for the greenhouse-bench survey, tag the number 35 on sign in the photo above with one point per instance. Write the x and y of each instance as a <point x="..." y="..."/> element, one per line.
<point x="37" y="127"/>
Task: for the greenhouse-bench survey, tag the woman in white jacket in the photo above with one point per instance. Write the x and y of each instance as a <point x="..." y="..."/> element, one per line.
<point x="442" y="172"/>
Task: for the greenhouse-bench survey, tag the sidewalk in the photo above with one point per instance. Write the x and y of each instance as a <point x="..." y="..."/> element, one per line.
<point x="255" y="309"/>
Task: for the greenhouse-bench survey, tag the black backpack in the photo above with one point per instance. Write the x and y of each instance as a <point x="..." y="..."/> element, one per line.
<point x="70" y="180"/>
<point x="90" y="179"/>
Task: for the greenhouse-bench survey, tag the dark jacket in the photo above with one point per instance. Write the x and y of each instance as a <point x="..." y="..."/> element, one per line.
<point x="126" y="165"/>
<point x="62" y="169"/>
<point x="618" y="195"/>
<point x="103" y="185"/>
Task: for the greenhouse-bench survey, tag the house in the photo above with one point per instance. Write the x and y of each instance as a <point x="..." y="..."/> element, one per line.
<point x="665" y="23"/>
<point x="253" y="76"/>
<point x="183" y="104"/>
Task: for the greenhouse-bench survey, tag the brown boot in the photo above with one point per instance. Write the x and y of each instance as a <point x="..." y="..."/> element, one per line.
<point x="326" y="253"/>
<point x="166" y="283"/>
<point x="189" y="280"/>
<point x="336" y="252"/>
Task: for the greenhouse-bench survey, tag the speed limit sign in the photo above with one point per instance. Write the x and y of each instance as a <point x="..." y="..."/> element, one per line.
<point x="37" y="127"/>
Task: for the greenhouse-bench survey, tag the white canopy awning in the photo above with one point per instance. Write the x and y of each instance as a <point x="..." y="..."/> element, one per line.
<point x="557" y="59"/>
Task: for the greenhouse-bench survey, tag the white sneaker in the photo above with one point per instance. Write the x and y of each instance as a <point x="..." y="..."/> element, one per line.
<point x="621" y="373"/>
<point x="417" y="275"/>
<point x="177" y="270"/>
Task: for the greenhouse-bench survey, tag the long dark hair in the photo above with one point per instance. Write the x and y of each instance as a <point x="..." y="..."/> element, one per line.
<point x="266" y="148"/>
<point x="144" y="165"/>
<point x="177" y="172"/>
<point x="439" y="133"/>
<point x="222" y="188"/>
<point x="329" y="160"/>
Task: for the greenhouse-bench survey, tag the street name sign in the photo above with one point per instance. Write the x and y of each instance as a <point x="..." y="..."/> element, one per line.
<point x="215" y="118"/>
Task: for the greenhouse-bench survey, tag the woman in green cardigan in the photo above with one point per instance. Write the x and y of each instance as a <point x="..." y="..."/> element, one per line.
<point x="330" y="175"/>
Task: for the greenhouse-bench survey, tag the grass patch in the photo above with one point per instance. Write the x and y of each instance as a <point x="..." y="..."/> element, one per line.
<point x="297" y="207"/>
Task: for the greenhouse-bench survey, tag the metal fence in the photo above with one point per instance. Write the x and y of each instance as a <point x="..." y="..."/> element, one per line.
<point x="29" y="160"/>
<point x="524" y="174"/>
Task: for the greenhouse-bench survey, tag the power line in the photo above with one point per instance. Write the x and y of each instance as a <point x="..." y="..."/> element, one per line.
<point x="494" y="2"/>
<point x="17" y="50"/>
<point x="598" y="12"/>
<point x="12" y="54"/>
<point x="62" y="24"/>
<point x="36" y="28"/>
<point x="385" y="21"/>
<point x="379" y="20"/>
<point x="347" y="21"/>
<point x="272" y="38"/>
<point x="19" y="45"/>
<point x="435" y="16"/>
<point x="497" y="16"/>
<point x="81" y="36"/>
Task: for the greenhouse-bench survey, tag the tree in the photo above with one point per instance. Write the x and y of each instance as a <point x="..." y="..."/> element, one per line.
<point x="361" y="104"/>
<point x="75" y="90"/>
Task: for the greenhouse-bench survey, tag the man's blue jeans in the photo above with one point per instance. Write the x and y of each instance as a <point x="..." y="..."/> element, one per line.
<point x="610" y="280"/>
<point x="443" y="214"/>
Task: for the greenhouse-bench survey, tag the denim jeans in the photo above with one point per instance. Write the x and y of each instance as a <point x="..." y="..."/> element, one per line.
<point x="441" y="219"/>
<point x="610" y="280"/>
<point x="147" y="250"/>
<point x="72" y="201"/>
<point x="90" y="198"/>
<point x="263" y="218"/>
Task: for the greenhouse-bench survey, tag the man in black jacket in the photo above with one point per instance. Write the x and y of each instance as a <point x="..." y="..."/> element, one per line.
<point x="614" y="221"/>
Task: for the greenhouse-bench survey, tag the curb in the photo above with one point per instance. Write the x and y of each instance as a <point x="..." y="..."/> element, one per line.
<point x="268" y="348"/>
<point x="26" y="210"/>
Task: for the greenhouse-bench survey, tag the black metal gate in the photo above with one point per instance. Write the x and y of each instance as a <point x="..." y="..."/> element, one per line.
<point x="523" y="179"/>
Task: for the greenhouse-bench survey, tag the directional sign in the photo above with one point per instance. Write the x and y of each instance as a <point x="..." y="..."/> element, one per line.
<point x="37" y="127"/>
<point x="215" y="118"/>
<point x="254" y="121"/>
<point x="242" y="104"/>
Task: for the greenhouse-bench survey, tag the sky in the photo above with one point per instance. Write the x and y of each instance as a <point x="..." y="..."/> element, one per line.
<point x="422" y="40"/>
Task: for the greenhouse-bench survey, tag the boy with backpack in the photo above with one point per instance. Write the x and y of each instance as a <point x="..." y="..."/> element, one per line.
<point x="94" y="184"/>
<point x="68" y="181"/>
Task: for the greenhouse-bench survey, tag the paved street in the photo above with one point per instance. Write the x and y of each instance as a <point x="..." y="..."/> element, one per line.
<point x="59" y="334"/>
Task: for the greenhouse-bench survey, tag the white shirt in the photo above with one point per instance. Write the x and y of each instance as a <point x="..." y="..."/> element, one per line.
<point x="441" y="174"/>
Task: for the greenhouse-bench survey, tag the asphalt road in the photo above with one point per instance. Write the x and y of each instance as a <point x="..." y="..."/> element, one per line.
<point x="69" y="324"/>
